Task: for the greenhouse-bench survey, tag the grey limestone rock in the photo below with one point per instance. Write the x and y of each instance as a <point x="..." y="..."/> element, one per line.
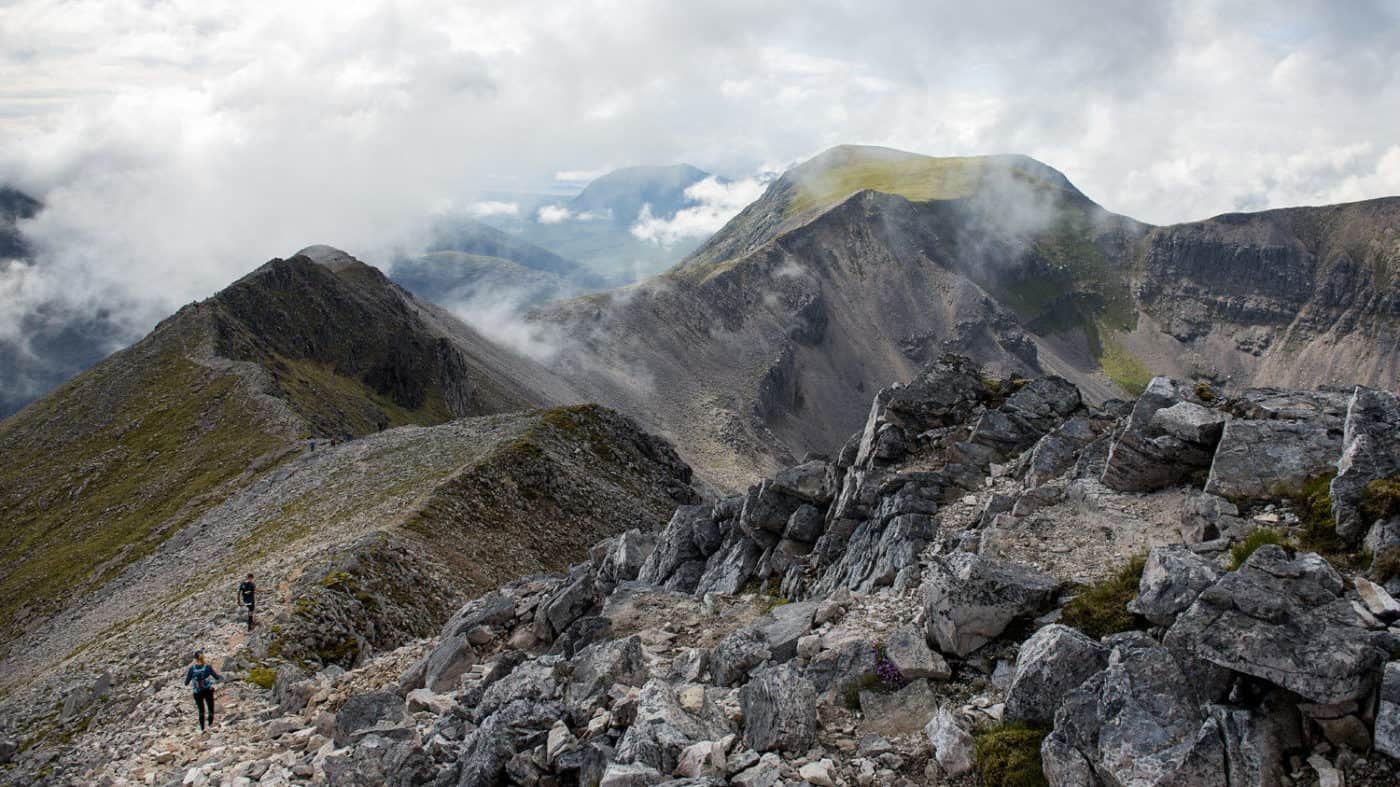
<point x="1257" y="459"/>
<point x="1172" y="578"/>
<point x="1190" y="422"/>
<point x="970" y="600"/>
<point x="1134" y="724"/>
<point x="1052" y="663"/>
<point x="780" y="710"/>
<point x="1370" y="450"/>
<point x="952" y="745"/>
<point x="907" y="648"/>
<point x="1387" y="732"/>
<point x="1285" y="621"/>
<point x="571" y="601"/>
<point x="445" y="665"/>
<point x="363" y="711"/>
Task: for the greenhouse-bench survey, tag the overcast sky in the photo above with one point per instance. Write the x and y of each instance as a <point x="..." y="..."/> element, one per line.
<point x="180" y="143"/>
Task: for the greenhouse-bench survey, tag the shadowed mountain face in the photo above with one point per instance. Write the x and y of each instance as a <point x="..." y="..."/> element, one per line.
<point x="103" y="470"/>
<point x="860" y="265"/>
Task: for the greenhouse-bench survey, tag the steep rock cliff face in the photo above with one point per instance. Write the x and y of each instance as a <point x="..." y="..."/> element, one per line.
<point x="1294" y="296"/>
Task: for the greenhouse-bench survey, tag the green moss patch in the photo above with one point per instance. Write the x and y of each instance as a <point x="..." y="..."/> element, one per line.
<point x="1008" y="755"/>
<point x="1102" y="608"/>
<point x="262" y="677"/>
<point x="1381" y="500"/>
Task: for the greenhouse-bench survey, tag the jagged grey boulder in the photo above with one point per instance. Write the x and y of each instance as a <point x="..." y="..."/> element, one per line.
<point x="1052" y="663"/>
<point x="839" y="666"/>
<point x="538" y="680"/>
<point x="780" y="710"/>
<point x="575" y="598"/>
<point x="492" y="610"/>
<point x="1254" y="744"/>
<point x="1208" y="517"/>
<point x="1134" y="723"/>
<point x="1285" y="621"/>
<point x="952" y="745"/>
<point x="900" y="712"/>
<point x="805" y="524"/>
<point x="1143" y="457"/>
<point x="970" y="600"/>
<point x="1172" y="578"/>
<point x="663" y="727"/>
<point x="487" y="749"/>
<point x="602" y="665"/>
<point x="809" y="481"/>
<point x="1257" y="459"/>
<point x="728" y="569"/>
<point x="1370" y="450"/>
<point x="1026" y="415"/>
<point x="783" y="626"/>
<point x="363" y="711"/>
<point x="1190" y="422"/>
<point x="447" y="662"/>
<point x="1387" y="733"/>
<point x="677" y="546"/>
<point x="737" y="654"/>
<point x="1056" y="452"/>
<point x="767" y="507"/>
<point x="626" y="555"/>
<point x="907" y="648"/>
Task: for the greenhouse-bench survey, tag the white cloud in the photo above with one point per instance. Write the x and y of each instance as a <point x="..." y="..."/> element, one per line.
<point x="490" y="208"/>
<point x="716" y="202"/>
<point x="552" y="214"/>
<point x="179" y="144"/>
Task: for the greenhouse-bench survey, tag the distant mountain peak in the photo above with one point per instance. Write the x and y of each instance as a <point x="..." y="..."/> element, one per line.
<point x="329" y="256"/>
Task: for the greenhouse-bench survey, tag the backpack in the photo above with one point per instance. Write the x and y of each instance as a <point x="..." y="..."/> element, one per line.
<point x="202" y="679"/>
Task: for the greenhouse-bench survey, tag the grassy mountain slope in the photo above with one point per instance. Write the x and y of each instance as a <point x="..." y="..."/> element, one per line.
<point x="106" y="468"/>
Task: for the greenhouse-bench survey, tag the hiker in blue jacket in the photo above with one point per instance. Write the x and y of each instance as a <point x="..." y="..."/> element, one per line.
<point x="202" y="676"/>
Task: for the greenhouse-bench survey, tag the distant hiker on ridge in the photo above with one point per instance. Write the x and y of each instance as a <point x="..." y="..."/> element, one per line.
<point x="202" y="676"/>
<point x="247" y="592"/>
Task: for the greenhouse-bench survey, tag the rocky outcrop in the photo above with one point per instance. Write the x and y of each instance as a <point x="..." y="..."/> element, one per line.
<point x="634" y="668"/>
<point x="1285" y="621"/>
<point x="1369" y="453"/>
<point x="969" y="600"/>
<point x="1151" y="451"/>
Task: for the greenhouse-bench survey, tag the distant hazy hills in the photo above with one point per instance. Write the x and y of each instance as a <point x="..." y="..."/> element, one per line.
<point x="594" y="227"/>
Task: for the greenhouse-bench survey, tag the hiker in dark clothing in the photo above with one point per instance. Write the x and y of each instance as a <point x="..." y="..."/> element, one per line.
<point x="246" y="596"/>
<point x="202" y="676"/>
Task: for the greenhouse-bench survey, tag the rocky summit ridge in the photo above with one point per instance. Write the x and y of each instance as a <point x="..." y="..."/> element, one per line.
<point x="864" y="264"/>
<point x="995" y="580"/>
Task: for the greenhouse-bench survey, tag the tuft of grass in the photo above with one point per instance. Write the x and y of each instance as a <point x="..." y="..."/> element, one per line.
<point x="1313" y="504"/>
<point x="262" y="677"/>
<point x="1204" y="392"/>
<point x="1381" y="500"/>
<point x="1102" y="608"/>
<point x="1008" y="755"/>
<point x="1240" y="552"/>
<point x="1386" y="565"/>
